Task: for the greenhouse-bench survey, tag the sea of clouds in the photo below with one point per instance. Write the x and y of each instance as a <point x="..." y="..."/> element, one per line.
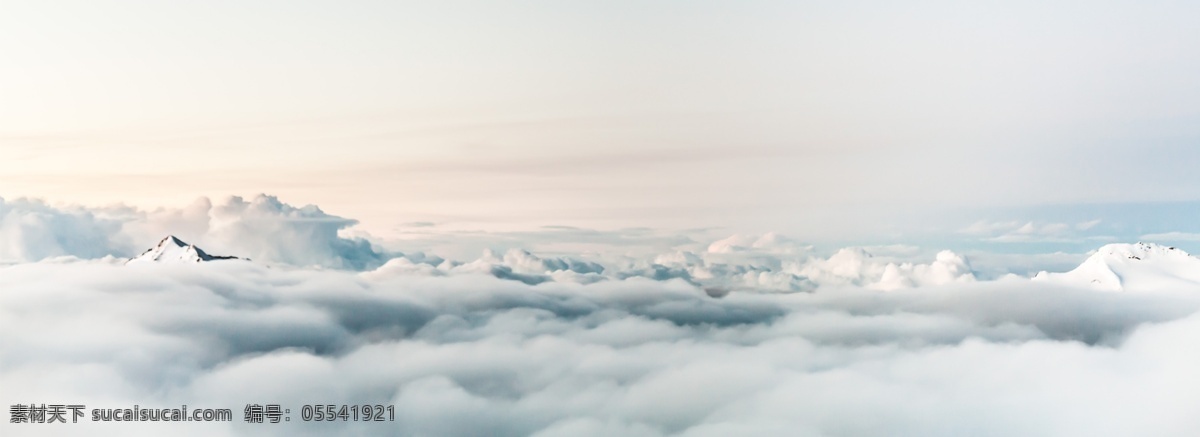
<point x="749" y="335"/>
<point x="271" y="232"/>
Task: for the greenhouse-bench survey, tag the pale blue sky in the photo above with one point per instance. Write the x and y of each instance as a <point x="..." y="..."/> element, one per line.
<point x="816" y="119"/>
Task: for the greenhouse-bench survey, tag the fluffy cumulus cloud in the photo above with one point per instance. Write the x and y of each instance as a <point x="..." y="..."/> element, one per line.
<point x="856" y="266"/>
<point x="266" y="228"/>
<point x="719" y="273"/>
<point x="34" y="230"/>
<point x="261" y="228"/>
<point x="473" y="354"/>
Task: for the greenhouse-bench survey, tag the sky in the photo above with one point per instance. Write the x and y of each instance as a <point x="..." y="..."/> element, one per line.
<point x="826" y="120"/>
<point x="567" y="218"/>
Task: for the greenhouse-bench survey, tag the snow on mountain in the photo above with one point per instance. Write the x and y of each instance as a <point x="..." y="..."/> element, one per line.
<point x="173" y="250"/>
<point x="1132" y="267"/>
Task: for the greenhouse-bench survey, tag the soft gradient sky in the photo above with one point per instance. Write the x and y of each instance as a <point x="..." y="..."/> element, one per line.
<point x="812" y="118"/>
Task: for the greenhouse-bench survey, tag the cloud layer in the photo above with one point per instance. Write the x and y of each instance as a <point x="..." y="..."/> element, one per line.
<point x="272" y="232"/>
<point x="744" y="335"/>
<point x="473" y="354"/>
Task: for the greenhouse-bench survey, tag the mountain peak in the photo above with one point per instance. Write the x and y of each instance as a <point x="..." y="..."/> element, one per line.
<point x="1139" y="251"/>
<point x="173" y="250"/>
<point x="171" y="239"/>
<point x="1138" y="266"/>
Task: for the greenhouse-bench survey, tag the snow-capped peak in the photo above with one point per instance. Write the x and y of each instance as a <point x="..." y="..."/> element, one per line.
<point x="1139" y="266"/>
<point x="173" y="250"/>
<point x="1138" y="252"/>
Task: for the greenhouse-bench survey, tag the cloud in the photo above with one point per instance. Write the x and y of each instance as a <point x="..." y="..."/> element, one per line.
<point x="272" y="232"/>
<point x="473" y="354"/>
<point x="31" y="229"/>
<point x="856" y="266"/>
<point x="1171" y="236"/>
<point x="1029" y="232"/>
<point x="262" y="228"/>
<point x="766" y="243"/>
<point x="418" y="224"/>
<point x="466" y="244"/>
<point x="718" y="272"/>
<point x="266" y="228"/>
<point x="991" y="265"/>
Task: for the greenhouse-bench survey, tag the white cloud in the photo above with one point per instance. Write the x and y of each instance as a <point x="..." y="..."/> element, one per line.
<point x="718" y="272"/>
<point x="1168" y="237"/>
<point x="31" y="230"/>
<point x="269" y="231"/>
<point x="262" y="228"/>
<point x="470" y="355"/>
<point x="266" y="228"/>
<point x="984" y="227"/>
<point x="993" y="265"/>
<point x="1027" y="232"/>
<point x="766" y="243"/>
<point x="856" y="266"/>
